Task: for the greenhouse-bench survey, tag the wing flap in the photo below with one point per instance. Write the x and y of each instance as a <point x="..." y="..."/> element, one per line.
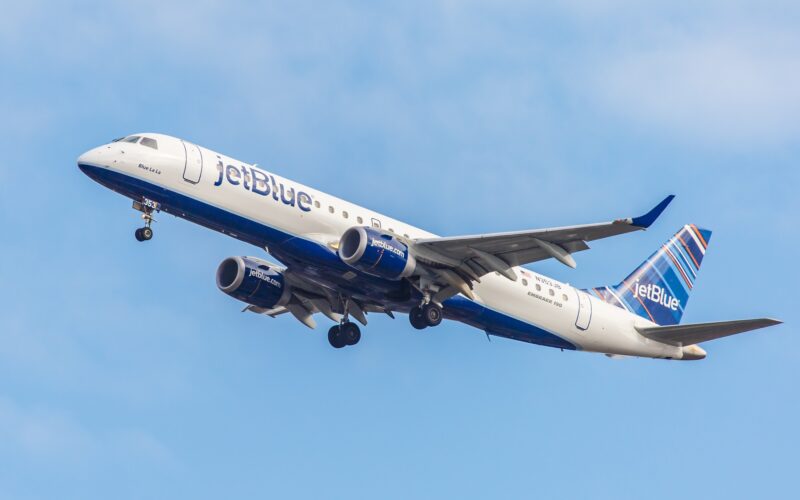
<point x="703" y="332"/>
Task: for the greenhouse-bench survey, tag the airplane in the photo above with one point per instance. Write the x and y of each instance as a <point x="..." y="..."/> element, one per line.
<point x="343" y="261"/>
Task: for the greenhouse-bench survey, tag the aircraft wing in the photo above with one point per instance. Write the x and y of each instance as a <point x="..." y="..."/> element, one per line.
<point x="703" y="332"/>
<point x="474" y="256"/>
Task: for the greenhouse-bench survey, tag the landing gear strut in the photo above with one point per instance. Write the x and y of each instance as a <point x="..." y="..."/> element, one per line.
<point x="424" y="316"/>
<point x="348" y="333"/>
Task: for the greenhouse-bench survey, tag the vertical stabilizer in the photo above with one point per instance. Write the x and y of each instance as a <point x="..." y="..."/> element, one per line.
<point x="659" y="289"/>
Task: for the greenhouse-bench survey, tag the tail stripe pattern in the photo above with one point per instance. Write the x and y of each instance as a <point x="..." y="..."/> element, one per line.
<point x="697" y="233"/>
<point x="691" y="253"/>
<point x="646" y="310"/>
<point x="659" y="289"/>
<point x="681" y="255"/>
<point x="680" y="268"/>
<point x="671" y="281"/>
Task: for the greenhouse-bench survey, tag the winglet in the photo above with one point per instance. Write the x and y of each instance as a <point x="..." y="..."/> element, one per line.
<point x="647" y="219"/>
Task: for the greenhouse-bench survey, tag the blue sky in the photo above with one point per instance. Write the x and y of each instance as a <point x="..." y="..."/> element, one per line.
<point x="124" y="373"/>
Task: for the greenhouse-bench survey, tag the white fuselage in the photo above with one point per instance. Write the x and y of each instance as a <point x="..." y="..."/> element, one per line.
<point x="304" y="212"/>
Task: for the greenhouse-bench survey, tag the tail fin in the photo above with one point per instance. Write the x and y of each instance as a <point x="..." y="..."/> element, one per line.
<point x="659" y="289"/>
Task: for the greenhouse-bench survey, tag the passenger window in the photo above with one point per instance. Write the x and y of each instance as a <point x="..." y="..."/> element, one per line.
<point x="316" y="203"/>
<point x="524" y="282"/>
<point x="538" y="287"/>
<point x="360" y="219"/>
<point x="330" y="208"/>
<point x="564" y="297"/>
<point x="345" y="214"/>
<point x="551" y="292"/>
<point x="132" y="139"/>
<point x="150" y="143"/>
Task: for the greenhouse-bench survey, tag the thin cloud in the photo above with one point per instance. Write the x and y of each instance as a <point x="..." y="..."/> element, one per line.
<point x="49" y="435"/>
<point x="718" y="89"/>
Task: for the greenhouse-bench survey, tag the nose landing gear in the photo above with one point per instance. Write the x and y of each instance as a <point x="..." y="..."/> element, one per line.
<point x="143" y="233"/>
<point x="147" y="207"/>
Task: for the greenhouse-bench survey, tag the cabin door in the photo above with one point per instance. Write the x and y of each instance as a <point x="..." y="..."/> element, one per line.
<point x="193" y="168"/>
<point x="584" y="311"/>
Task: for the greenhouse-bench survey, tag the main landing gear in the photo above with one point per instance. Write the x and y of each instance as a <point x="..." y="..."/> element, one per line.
<point x="424" y="316"/>
<point x="347" y="333"/>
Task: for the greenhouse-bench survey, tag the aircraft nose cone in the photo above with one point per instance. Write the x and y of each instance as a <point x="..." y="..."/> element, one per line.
<point x="91" y="157"/>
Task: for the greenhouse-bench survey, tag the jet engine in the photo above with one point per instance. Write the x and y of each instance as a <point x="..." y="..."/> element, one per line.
<point x="376" y="252"/>
<point x="253" y="281"/>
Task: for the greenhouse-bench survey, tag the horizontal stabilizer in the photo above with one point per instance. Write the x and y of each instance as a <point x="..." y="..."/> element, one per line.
<point x="703" y="332"/>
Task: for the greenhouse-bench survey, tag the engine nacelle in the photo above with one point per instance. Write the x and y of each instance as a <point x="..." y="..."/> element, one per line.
<point x="376" y="252"/>
<point x="253" y="281"/>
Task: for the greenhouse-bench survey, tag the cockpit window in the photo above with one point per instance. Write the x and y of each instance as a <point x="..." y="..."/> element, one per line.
<point x="150" y="143"/>
<point x="133" y="138"/>
<point x="118" y="139"/>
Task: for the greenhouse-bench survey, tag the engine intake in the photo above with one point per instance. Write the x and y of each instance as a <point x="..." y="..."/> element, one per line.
<point x="376" y="252"/>
<point x="253" y="281"/>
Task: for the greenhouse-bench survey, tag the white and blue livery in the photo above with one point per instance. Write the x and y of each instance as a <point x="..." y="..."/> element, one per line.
<point x="345" y="261"/>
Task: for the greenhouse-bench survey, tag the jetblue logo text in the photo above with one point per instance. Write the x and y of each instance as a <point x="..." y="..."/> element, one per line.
<point x="256" y="181"/>
<point x="264" y="277"/>
<point x="375" y="242"/>
<point x="656" y="294"/>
